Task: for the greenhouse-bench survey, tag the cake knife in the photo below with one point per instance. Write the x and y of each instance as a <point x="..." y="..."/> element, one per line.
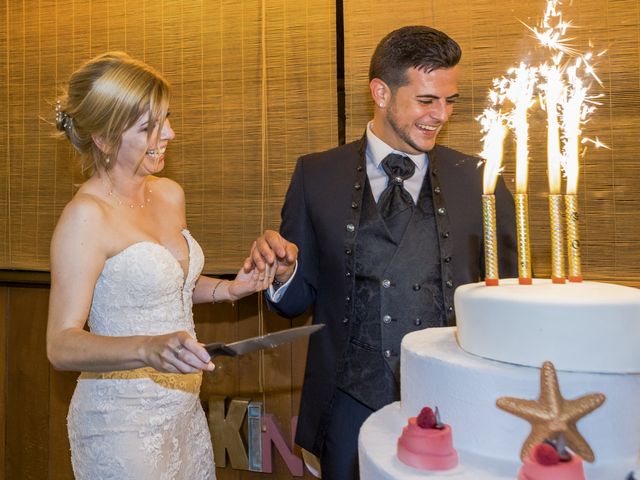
<point x="269" y="340"/>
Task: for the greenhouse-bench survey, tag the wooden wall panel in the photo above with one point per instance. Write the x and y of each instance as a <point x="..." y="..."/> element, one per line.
<point x="4" y="317"/>
<point x="27" y="420"/>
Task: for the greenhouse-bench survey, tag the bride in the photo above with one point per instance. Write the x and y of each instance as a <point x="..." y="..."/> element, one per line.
<point x="122" y="257"/>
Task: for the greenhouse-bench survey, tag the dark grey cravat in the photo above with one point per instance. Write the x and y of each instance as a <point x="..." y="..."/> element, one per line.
<point x="396" y="204"/>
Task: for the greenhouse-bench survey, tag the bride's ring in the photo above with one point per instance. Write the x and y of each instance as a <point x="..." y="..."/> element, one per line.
<point x="178" y="350"/>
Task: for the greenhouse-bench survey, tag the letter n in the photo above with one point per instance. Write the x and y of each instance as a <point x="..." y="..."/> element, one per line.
<point x="271" y="434"/>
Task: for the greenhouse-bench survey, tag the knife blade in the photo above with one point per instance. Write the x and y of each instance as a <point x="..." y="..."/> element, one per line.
<point x="269" y="340"/>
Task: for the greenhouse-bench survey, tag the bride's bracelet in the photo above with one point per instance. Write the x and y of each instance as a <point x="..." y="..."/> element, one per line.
<point x="213" y="292"/>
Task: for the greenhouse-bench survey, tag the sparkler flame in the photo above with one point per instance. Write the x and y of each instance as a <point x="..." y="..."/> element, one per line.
<point x="563" y="96"/>
<point x="519" y="91"/>
<point x="552" y="91"/>
<point x="574" y="112"/>
<point x="494" y="127"/>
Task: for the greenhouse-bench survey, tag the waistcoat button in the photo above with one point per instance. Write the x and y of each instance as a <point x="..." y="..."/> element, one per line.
<point x="441" y="211"/>
<point x="386" y="319"/>
<point x="445" y="235"/>
<point x="417" y="322"/>
<point x="417" y="287"/>
<point x="386" y="283"/>
<point x="449" y="283"/>
<point x="387" y="353"/>
<point x="351" y="227"/>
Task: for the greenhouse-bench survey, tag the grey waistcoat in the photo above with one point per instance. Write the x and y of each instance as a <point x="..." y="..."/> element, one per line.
<point x="398" y="289"/>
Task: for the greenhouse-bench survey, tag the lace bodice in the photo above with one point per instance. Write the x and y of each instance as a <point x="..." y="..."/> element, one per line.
<point x="141" y="424"/>
<point x="142" y="291"/>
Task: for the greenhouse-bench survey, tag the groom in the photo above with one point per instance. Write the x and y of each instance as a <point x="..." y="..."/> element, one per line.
<point x="387" y="227"/>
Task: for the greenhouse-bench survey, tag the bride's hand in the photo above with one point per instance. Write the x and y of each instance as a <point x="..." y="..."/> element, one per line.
<point x="250" y="282"/>
<point x="176" y="352"/>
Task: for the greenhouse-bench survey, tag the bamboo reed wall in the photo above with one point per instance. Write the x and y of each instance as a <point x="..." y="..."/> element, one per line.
<point x="235" y="146"/>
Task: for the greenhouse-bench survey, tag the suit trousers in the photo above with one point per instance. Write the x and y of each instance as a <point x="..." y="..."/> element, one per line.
<point x="339" y="459"/>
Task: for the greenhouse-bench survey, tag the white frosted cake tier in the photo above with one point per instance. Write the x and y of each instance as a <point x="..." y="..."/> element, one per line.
<point x="581" y="327"/>
<point x="436" y="372"/>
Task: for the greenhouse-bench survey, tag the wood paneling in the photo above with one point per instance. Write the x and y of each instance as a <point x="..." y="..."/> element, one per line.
<point x="4" y="317"/>
<point x="27" y="420"/>
<point x="35" y="399"/>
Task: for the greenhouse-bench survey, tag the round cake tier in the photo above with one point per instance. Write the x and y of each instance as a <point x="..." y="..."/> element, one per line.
<point x="581" y="327"/>
<point x="464" y="387"/>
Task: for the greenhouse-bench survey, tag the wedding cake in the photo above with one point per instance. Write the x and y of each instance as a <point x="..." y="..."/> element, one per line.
<point x="591" y="333"/>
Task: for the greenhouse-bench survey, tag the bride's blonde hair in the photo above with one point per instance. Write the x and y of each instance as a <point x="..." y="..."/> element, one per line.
<point x="105" y="97"/>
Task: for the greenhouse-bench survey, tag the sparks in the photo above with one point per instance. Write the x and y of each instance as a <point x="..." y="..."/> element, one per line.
<point x="551" y="93"/>
<point x="519" y="91"/>
<point x="495" y="129"/>
<point x="597" y="143"/>
<point x="574" y="113"/>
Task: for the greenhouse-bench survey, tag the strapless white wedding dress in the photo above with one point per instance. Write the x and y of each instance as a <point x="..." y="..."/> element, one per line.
<point x="141" y="424"/>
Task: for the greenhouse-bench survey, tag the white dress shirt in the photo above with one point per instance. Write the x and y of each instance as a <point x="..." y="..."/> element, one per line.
<point x="377" y="150"/>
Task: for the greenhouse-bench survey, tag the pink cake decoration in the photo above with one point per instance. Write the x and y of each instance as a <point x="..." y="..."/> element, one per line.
<point x="551" y="461"/>
<point x="426" y="443"/>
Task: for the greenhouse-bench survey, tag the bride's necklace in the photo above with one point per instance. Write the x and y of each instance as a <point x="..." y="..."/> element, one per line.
<point x="116" y="197"/>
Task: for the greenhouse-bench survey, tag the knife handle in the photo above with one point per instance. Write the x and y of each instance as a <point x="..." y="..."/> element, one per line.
<point x="217" y="348"/>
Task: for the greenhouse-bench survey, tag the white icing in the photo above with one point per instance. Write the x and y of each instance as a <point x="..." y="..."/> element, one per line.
<point x="436" y="372"/>
<point x="589" y="330"/>
<point x="582" y="327"/>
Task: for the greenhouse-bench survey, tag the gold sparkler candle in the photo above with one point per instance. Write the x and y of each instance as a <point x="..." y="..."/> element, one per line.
<point x="495" y="129"/>
<point x="557" y="239"/>
<point x="552" y="91"/>
<point x="519" y="91"/>
<point x="522" y="230"/>
<point x="490" y="240"/>
<point x="573" y="238"/>
<point x="574" y="111"/>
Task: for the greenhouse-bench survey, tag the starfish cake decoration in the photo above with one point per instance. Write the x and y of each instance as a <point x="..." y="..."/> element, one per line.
<point x="552" y="414"/>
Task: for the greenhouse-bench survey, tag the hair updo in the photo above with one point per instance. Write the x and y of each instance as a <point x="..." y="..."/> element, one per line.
<point x="104" y="98"/>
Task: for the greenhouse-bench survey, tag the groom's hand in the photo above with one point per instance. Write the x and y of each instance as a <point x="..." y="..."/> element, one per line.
<point x="270" y="248"/>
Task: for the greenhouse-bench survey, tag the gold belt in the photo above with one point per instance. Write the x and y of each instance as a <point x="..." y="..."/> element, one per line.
<point x="187" y="382"/>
